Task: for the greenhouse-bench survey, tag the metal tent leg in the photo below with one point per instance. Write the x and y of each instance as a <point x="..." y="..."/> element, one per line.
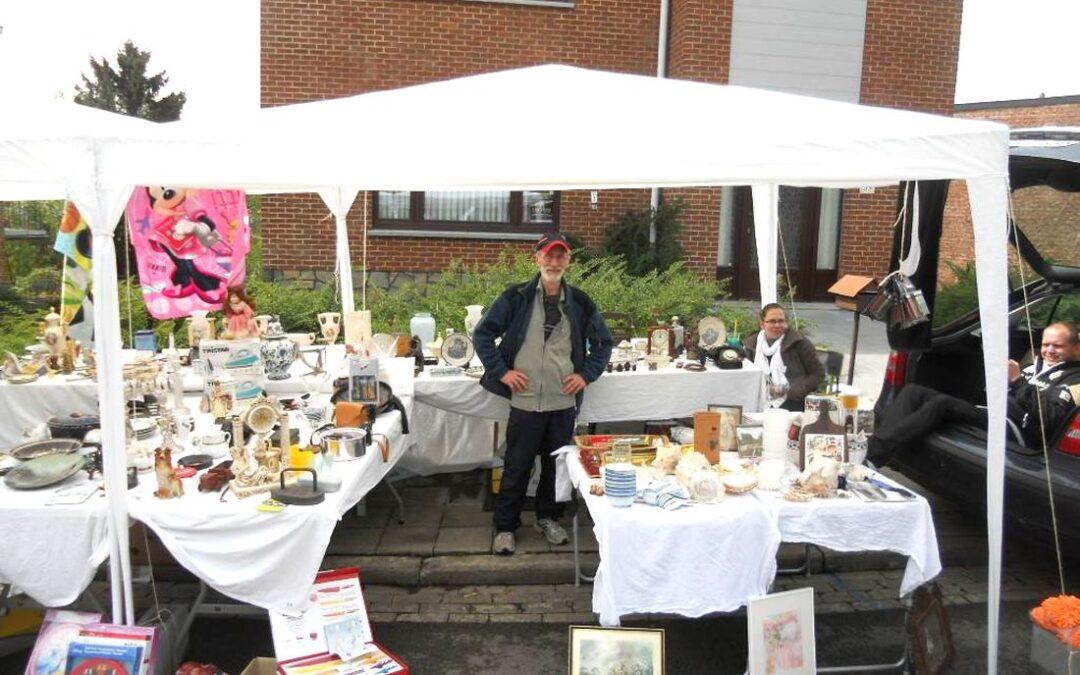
<point x="397" y="498"/>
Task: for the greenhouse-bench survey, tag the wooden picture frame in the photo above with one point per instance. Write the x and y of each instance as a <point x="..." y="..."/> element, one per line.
<point x="730" y="420"/>
<point x="930" y="634"/>
<point x="780" y="633"/>
<point x="661" y="340"/>
<point x="596" y="649"/>
<point x="751" y="440"/>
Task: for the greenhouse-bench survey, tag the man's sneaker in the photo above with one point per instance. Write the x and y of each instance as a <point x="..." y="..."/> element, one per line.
<point x="503" y="544"/>
<point x="552" y="531"/>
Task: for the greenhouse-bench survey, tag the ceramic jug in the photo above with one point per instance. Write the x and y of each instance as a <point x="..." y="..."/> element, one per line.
<point x="473" y="314"/>
<point x="278" y="352"/>
<point x="423" y="326"/>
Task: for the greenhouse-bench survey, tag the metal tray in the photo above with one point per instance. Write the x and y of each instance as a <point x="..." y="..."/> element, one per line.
<point x="44" y="471"/>
<point x="52" y="446"/>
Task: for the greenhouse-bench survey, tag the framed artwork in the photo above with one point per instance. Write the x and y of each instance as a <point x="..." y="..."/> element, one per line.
<point x="661" y="340"/>
<point x="751" y="440"/>
<point x="616" y="650"/>
<point x="833" y="446"/>
<point x="780" y="631"/>
<point x="730" y="419"/>
<point x="931" y="636"/>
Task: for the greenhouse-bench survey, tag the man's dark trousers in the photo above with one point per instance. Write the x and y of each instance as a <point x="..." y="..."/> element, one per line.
<point x="916" y="412"/>
<point x="527" y="435"/>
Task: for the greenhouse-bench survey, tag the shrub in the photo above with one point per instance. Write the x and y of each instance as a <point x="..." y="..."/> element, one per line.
<point x="629" y="238"/>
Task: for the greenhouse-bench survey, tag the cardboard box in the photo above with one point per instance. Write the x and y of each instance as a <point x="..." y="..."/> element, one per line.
<point x="261" y="665"/>
<point x="707" y="434"/>
<point x="848" y="289"/>
<point x="1053" y="655"/>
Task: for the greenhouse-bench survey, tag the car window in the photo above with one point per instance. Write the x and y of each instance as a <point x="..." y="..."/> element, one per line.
<point x="1051" y="220"/>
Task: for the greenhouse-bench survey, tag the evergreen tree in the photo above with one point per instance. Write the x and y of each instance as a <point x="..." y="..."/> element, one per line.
<point x="127" y="89"/>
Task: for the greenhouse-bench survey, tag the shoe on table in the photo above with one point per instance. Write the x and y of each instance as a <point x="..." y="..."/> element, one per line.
<point x="503" y="544"/>
<point x="552" y="531"/>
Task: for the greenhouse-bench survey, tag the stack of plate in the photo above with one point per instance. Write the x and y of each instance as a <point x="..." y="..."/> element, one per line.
<point x="143" y="429"/>
<point x="620" y="484"/>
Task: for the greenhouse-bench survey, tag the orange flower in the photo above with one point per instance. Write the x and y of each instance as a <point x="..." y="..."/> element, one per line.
<point x="1061" y="615"/>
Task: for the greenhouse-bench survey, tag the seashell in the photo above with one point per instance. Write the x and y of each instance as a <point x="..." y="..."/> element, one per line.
<point x="771" y="473"/>
<point x="667" y="458"/>
<point x="705" y="487"/>
<point x="690" y="464"/>
<point x="816" y="485"/>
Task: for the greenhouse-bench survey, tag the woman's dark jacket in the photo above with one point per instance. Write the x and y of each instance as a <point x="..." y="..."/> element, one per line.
<point x="508" y="318"/>
<point x="804" y="371"/>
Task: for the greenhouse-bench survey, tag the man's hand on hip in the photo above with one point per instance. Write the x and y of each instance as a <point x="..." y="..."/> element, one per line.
<point x="516" y="380"/>
<point x="573" y="384"/>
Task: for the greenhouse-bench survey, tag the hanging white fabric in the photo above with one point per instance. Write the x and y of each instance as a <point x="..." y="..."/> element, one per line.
<point x="909" y="262"/>
<point x="339" y="200"/>
<point x="766" y="198"/>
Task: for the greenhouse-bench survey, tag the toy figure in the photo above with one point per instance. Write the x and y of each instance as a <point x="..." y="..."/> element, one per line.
<point x="220" y="400"/>
<point x="239" y="310"/>
<point x="183" y="231"/>
<point x="169" y="486"/>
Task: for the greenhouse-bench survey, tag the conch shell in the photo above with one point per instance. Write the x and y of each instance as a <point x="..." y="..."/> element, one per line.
<point x="705" y="486"/>
<point x="816" y="484"/>
<point x="667" y="458"/>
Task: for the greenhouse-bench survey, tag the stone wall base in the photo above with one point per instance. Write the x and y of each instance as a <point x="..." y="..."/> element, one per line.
<point x="311" y="279"/>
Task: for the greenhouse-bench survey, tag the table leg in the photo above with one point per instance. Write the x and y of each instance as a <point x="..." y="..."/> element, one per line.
<point x="400" y="503"/>
<point x="579" y="576"/>
<point x="803" y="569"/>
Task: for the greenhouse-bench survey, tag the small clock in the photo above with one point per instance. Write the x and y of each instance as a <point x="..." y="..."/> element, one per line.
<point x="661" y="341"/>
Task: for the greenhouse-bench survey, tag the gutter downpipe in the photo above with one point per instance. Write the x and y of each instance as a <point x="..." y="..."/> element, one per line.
<point x="661" y="73"/>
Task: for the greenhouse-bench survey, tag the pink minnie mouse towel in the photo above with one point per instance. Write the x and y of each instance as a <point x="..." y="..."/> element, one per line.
<point x="190" y="246"/>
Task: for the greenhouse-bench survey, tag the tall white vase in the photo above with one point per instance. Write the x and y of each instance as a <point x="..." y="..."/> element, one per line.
<point x="473" y="314"/>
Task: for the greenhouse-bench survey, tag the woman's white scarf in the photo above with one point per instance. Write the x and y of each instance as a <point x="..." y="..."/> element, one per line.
<point x="768" y="358"/>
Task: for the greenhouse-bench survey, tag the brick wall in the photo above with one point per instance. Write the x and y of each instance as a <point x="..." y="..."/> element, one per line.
<point x="321" y="50"/>
<point x="314" y="51"/>
<point x="909" y="61"/>
<point x="1047" y="209"/>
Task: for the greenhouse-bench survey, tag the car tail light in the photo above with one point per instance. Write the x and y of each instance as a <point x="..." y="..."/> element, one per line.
<point x="1069" y="443"/>
<point x="896" y="371"/>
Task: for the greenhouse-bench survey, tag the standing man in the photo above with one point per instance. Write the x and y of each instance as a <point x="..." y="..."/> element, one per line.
<point x="554" y="343"/>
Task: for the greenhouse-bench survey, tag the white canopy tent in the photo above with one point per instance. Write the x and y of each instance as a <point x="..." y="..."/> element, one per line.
<point x="558" y="127"/>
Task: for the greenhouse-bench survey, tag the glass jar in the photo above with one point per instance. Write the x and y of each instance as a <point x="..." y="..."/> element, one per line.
<point x="422" y="325"/>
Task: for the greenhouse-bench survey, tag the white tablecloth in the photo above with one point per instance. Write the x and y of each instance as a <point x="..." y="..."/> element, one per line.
<point x="264" y="559"/>
<point x="51" y="552"/>
<point x="905" y="527"/>
<point x="710" y="558"/>
<point x="454" y="414"/>
<point x="24" y="406"/>
<point x="697" y="560"/>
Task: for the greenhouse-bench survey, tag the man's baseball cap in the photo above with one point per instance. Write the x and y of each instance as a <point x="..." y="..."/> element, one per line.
<point x="550" y="241"/>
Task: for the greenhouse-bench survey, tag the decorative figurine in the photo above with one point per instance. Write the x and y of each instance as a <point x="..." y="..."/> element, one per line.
<point x="221" y="401"/>
<point x="330" y="325"/>
<point x="55" y="338"/>
<point x="169" y="486"/>
<point x="199" y="328"/>
<point x="239" y="310"/>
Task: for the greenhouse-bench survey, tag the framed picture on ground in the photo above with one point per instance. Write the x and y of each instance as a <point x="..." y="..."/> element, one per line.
<point x="931" y="635"/>
<point x="780" y="630"/>
<point x="616" y="650"/>
<point x="730" y="419"/>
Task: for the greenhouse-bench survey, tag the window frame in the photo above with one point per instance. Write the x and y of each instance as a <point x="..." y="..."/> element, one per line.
<point x="516" y="228"/>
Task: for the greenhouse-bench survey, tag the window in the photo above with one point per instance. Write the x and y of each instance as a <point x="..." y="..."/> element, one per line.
<point x="493" y="213"/>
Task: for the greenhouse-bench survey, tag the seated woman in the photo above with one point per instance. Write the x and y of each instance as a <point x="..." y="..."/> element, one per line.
<point x="785" y="356"/>
<point x="1054" y="380"/>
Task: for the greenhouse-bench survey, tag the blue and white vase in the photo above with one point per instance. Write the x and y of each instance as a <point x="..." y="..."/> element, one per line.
<point x="278" y="352"/>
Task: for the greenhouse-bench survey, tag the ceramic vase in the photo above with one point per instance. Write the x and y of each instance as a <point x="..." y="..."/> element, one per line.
<point x="199" y="327"/>
<point x="263" y="322"/>
<point x="473" y="314"/>
<point x="330" y="325"/>
<point x="422" y="325"/>
<point x="278" y="352"/>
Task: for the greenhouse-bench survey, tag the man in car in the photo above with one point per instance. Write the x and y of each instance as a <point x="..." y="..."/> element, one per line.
<point x="1053" y="380"/>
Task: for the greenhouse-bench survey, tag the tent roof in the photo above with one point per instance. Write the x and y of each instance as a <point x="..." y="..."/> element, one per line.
<point x="562" y="127"/>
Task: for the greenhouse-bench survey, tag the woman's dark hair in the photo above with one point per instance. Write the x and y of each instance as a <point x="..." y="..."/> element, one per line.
<point x="771" y="305"/>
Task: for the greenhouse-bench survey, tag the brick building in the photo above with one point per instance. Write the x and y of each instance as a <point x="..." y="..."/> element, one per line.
<point x="879" y="52"/>
<point x="1045" y="215"/>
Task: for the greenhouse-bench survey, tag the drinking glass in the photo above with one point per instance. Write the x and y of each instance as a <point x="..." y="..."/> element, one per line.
<point x="777" y="391"/>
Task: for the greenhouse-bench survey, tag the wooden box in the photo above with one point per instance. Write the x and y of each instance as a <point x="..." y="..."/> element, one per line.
<point x="707" y="434"/>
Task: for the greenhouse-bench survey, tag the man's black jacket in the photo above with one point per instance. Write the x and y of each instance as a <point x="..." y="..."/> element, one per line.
<point x="1057" y="390"/>
<point x="508" y="318"/>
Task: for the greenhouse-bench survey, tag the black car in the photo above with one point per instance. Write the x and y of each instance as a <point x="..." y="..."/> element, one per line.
<point x="1045" y="179"/>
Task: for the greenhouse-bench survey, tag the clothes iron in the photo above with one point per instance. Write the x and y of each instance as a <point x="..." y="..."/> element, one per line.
<point x="301" y="495"/>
